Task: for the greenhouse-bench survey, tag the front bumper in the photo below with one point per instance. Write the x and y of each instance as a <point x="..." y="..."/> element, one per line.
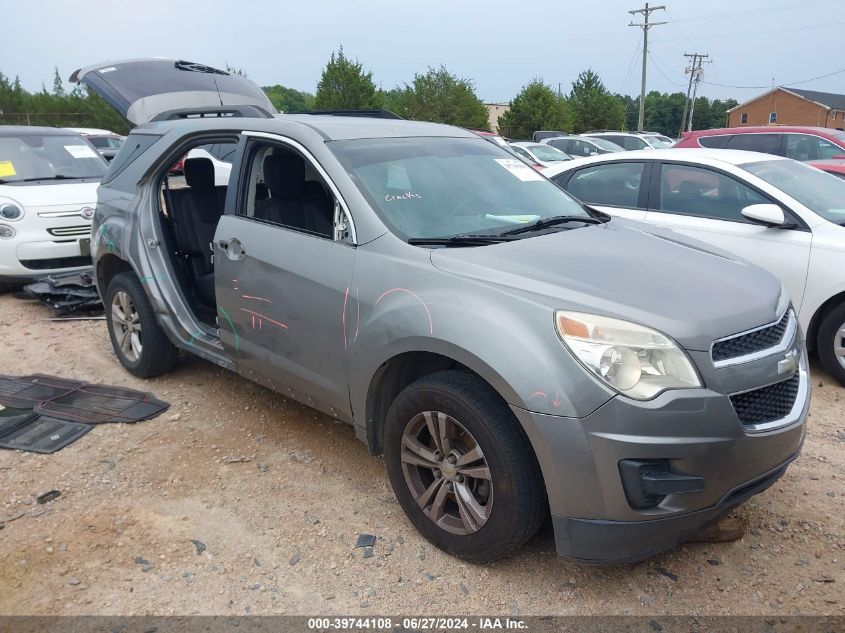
<point x="45" y="245"/>
<point x="696" y="432"/>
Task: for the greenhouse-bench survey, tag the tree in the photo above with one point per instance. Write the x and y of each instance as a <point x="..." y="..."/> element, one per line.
<point x="536" y="107"/>
<point x="593" y="106"/>
<point x="345" y="86"/>
<point x="288" y="99"/>
<point x="58" y="88"/>
<point x="442" y="97"/>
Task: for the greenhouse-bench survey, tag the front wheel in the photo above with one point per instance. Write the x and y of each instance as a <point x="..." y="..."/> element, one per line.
<point x="140" y="344"/>
<point x="830" y="343"/>
<point x="461" y="467"/>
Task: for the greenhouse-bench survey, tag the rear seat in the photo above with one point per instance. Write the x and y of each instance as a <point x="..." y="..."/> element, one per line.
<point x="196" y="212"/>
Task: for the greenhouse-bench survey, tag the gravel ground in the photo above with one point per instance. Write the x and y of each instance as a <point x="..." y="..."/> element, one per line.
<point x="275" y="495"/>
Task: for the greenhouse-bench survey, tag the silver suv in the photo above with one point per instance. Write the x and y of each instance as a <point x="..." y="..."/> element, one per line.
<point x="510" y="351"/>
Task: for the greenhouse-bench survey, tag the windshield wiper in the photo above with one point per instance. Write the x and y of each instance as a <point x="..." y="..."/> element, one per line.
<point x="459" y="240"/>
<point x="552" y="221"/>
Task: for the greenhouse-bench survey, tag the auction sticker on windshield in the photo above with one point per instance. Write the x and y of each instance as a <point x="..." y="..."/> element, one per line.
<point x="7" y="168"/>
<point x="80" y="151"/>
<point x="519" y="169"/>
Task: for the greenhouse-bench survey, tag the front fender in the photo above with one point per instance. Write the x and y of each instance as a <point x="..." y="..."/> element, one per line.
<point x="507" y="339"/>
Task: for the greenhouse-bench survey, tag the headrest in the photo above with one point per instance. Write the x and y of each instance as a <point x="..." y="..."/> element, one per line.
<point x="284" y="174"/>
<point x="199" y="174"/>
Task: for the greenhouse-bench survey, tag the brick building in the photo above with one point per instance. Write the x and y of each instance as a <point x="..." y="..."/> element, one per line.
<point x="791" y="106"/>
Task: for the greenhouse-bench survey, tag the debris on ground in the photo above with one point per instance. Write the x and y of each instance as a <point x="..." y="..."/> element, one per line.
<point x="726" y="529"/>
<point x="199" y="545"/>
<point x="48" y="496"/>
<point x="365" y="540"/>
<point x="67" y="292"/>
<point x="665" y="572"/>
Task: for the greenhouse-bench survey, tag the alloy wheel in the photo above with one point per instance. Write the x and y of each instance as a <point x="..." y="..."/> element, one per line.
<point x="446" y="472"/>
<point x="127" y="325"/>
<point x="839" y="345"/>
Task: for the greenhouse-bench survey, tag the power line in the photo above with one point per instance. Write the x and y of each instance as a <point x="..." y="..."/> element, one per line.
<point x="793" y="83"/>
<point x="660" y="70"/>
<point x="645" y="25"/>
<point x="631" y="65"/>
<point x="792" y="5"/>
<point x="789" y="30"/>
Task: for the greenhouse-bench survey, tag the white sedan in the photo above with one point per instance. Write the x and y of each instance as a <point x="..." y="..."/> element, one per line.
<point x="779" y="213"/>
<point x="538" y="153"/>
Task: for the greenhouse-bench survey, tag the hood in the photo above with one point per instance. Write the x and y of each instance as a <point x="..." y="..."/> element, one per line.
<point x="52" y="193"/>
<point x="630" y="271"/>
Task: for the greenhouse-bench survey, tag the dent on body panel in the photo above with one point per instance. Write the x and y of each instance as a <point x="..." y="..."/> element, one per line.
<point x="508" y="340"/>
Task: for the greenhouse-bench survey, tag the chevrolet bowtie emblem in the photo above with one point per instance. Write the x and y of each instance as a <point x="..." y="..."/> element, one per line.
<point x="790" y="362"/>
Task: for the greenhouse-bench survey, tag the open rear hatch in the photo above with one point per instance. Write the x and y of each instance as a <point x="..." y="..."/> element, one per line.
<point x="144" y="90"/>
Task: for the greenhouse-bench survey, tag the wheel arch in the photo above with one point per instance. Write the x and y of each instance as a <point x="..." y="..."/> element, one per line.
<point x="403" y="367"/>
<point x="108" y="266"/>
<point x="819" y="315"/>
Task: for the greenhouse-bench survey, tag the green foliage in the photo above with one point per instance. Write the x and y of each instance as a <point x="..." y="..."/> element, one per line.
<point x="663" y="112"/>
<point x="288" y="99"/>
<point x="442" y="97"/>
<point x="536" y="107"/>
<point x="58" y="109"/>
<point x="593" y="107"/>
<point x="345" y="86"/>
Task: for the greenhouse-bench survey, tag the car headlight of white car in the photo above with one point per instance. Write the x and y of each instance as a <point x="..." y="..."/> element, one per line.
<point x="10" y="210"/>
<point x="632" y="359"/>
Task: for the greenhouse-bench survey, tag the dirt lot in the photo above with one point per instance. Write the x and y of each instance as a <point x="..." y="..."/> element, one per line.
<point x="278" y="493"/>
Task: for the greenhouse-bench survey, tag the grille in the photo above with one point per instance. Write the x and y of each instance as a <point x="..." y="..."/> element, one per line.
<point x="767" y="404"/>
<point x="71" y="231"/>
<point x="59" y="262"/>
<point x="752" y="342"/>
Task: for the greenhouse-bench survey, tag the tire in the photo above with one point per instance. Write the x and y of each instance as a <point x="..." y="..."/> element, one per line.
<point x="509" y="502"/>
<point x="6" y="287"/>
<point x="830" y="338"/>
<point x="147" y="351"/>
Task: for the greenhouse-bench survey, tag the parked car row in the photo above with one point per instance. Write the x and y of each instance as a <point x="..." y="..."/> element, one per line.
<point x="784" y="216"/>
<point x="510" y="350"/>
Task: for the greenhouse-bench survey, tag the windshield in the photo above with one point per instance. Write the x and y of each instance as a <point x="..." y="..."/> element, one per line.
<point x="441" y="187"/>
<point x="816" y="190"/>
<point x="48" y="157"/>
<point x="548" y="153"/>
<point x="608" y="146"/>
<point x="658" y="142"/>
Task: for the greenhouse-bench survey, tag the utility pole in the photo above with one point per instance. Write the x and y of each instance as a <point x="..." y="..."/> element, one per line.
<point x="695" y="78"/>
<point x="689" y="70"/>
<point x="645" y="26"/>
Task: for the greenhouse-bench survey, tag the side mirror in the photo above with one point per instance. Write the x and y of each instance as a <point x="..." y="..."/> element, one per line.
<point x="767" y="214"/>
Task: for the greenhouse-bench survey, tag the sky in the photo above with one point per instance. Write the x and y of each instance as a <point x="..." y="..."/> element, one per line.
<point x="499" y="45"/>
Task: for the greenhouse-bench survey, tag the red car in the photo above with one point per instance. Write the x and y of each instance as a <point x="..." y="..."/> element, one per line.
<point x="800" y="143"/>
<point x="835" y="167"/>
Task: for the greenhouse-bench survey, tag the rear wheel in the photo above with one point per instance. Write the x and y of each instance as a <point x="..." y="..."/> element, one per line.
<point x="462" y="468"/>
<point x="830" y="343"/>
<point x="139" y="342"/>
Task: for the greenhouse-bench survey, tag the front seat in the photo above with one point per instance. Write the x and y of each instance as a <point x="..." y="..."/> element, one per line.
<point x="284" y="176"/>
<point x="196" y="222"/>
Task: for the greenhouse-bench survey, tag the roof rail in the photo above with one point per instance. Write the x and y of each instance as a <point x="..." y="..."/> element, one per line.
<point x="212" y="112"/>
<point x="376" y="114"/>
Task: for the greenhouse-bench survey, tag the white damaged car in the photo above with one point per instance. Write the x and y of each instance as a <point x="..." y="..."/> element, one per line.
<point x="48" y="191"/>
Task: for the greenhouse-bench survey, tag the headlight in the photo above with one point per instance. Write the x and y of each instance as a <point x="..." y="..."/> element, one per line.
<point x="6" y="232"/>
<point x="783" y="301"/>
<point x="10" y="211"/>
<point x="632" y="359"/>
